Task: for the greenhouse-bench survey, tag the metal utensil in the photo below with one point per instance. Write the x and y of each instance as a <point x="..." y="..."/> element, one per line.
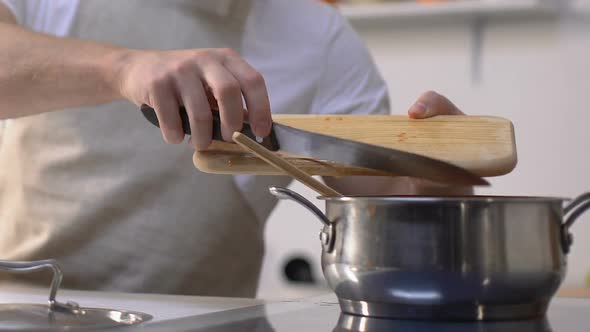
<point x="348" y="152"/>
<point x="285" y="166"/>
<point x="445" y="258"/>
<point x="56" y="315"/>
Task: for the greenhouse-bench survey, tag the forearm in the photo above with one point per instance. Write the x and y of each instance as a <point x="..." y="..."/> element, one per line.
<point x="40" y="73"/>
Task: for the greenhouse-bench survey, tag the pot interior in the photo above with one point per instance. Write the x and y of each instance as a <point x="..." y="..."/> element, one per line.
<point x="450" y="198"/>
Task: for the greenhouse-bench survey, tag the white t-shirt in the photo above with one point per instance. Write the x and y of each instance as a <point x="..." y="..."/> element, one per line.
<point x="349" y="82"/>
<point x="57" y="16"/>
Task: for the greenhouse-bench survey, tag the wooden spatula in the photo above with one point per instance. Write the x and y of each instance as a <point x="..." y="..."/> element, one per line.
<point x="283" y="165"/>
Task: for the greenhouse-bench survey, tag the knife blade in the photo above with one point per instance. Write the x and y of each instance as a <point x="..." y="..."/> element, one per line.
<point x="323" y="147"/>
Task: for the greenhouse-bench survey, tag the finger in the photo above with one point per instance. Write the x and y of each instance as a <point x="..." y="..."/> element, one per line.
<point x="165" y="103"/>
<point x="226" y="90"/>
<point x="198" y="109"/>
<point x="255" y="94"/>
<point x="431" y="104"/>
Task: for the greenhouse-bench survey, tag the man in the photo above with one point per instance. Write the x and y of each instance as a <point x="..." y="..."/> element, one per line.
<point x="94" y="187"/>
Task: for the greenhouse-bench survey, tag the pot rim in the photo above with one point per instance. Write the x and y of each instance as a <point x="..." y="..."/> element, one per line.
<point x="448" y="199"/>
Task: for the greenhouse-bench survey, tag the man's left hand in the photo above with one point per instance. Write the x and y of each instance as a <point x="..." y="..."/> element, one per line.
<point x="429" y="104"/>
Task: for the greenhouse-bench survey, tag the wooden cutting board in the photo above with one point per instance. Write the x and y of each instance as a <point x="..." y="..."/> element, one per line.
<point x="482" y="144"/>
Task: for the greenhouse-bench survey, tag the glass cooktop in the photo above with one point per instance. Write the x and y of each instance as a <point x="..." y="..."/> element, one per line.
<point x="323" y="314"/>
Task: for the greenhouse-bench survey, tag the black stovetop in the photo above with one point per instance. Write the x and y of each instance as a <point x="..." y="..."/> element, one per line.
<point x="323" y="314"/>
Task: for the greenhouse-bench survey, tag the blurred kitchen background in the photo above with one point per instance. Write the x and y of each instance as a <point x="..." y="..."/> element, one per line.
<point x="525" y="60"/>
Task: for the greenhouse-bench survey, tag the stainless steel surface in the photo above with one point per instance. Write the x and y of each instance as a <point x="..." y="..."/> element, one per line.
<point x="352" y="323"/>
<point x="323" y="315"/>
<point x="327" y="233"/>
<point x="69" y="316"/>
<point x="359" y="154"/>
<point x="472" y="258"/>
<point x="283" y="193"/>
<point x="162" y="307"/>
<point x="27" y="267"/>
<point x="578" y="206"/>
<point x="38" y="317"/>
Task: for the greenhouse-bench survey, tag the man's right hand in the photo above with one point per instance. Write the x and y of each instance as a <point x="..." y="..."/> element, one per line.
<point x="41" y="73"/>
<point x="164" y="80"/>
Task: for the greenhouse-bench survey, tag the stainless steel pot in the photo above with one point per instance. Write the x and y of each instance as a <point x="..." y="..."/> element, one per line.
<point x="467" y="258"/>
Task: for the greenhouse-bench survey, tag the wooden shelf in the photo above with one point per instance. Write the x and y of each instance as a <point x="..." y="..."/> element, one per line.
<point x="454" y="8"/>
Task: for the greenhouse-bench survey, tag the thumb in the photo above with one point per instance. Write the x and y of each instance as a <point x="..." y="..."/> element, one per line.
<point x="430" y="104"/>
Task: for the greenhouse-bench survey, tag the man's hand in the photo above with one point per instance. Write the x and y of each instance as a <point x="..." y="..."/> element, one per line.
<point x="41" y="73"/>
<point x="429" y="104"/>
<point x="195" y="78"/>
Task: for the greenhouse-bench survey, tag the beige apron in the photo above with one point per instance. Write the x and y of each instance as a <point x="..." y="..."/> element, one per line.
<point x="99" y="190"/>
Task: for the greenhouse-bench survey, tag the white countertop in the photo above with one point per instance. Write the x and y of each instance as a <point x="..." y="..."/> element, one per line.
<point x="193" y="313"/>
<point x="179" y="312"/>
<point x="161" y="307"/>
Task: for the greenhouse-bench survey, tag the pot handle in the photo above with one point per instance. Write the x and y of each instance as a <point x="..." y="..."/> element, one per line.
<point x="570" y="213"/>
<point x="575" y="209"/>
<point x="284" y="193"/>
<point x="26" y="267"/>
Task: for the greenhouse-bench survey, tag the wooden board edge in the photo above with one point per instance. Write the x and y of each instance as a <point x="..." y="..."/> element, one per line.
<point x="458" y="118"/>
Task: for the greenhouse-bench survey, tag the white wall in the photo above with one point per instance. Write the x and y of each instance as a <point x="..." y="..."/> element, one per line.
<point x="534" y="71"/>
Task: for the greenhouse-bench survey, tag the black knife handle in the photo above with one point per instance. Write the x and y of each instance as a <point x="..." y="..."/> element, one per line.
<point x="270" y="142"/>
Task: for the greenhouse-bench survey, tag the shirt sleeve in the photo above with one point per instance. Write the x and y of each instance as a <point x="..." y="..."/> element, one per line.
<point x="350" y="82"/>
<point x="49" y="16"/>
<point x="18" y="9"/>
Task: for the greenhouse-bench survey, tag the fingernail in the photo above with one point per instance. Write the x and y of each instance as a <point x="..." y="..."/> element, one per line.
<point x="173" y="138"/>
<point x="419" y="109"/>
<point x="200" y="145"/>
<point x="261" y="127"/>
